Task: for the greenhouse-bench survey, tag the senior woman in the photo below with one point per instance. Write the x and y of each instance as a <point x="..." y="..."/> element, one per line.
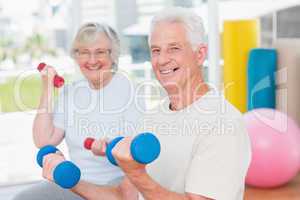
<point x="102" y="104"/>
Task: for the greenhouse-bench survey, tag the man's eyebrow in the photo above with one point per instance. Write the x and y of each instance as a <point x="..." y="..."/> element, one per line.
<point x="174" y="44"/>
<point x="101" y="49"/>
<point x="154" y="46"/>
<point x="170" y="44"/>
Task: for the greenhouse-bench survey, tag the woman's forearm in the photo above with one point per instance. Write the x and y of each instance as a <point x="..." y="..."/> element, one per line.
<point x="43" y="123"/>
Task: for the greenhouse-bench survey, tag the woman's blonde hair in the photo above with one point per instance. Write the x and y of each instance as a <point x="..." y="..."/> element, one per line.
<point x="89" y="32"/>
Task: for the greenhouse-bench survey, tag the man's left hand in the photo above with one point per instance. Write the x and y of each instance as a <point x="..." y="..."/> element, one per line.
<point x="123" y="157"/>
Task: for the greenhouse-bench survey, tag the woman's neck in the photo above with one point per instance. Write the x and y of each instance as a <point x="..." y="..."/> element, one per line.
<point x="99" y="84"/>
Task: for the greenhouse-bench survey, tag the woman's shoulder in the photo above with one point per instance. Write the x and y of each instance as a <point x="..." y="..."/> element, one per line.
<point x="74" y="86"/>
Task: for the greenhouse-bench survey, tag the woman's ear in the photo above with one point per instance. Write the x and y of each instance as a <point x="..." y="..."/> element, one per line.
<point x="201" y="53"/>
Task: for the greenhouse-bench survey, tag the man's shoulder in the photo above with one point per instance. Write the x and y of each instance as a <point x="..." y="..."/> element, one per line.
<point x="215" y="103"/>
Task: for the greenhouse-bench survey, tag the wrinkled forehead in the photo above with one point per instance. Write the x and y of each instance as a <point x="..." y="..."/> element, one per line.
<point x="165" y="33"/>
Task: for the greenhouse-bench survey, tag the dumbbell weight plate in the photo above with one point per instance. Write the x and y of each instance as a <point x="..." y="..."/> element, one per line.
<point x="109" y="148"/>
<point x="44" y="151"/>
<point x="66" y="174"/>
<point x="145" y="148"/>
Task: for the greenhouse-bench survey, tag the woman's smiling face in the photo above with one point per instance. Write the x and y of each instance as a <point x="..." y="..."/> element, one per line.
<point x="94" y="59"/>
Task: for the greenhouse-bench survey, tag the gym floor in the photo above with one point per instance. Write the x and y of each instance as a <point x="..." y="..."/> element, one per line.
<point x="290" y="191"/>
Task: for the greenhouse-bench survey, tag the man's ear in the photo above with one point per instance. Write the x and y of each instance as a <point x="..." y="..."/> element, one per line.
<point x="201" y="53"/>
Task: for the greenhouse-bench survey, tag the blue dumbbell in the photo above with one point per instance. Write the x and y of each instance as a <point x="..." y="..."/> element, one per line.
<point x="66" y="174"/>
<point x="145" y="148"/>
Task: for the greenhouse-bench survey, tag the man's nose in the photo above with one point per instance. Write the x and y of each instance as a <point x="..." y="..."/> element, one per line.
<point x="163" y="58"/>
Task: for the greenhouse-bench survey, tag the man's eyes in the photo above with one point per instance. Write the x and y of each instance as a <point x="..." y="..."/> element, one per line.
<point x="155" y="50"/>
<point x="174" y="49"/>
<point x="170" y="50"/>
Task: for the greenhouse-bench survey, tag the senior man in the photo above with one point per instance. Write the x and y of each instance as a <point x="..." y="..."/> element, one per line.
<point x="205" y="149"/>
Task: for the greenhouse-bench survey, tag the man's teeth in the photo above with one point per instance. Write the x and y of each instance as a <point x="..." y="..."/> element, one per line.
<point x="167" y="71"/>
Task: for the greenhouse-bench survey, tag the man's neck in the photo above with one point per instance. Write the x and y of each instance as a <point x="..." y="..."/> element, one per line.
<point x="188" y="95"/>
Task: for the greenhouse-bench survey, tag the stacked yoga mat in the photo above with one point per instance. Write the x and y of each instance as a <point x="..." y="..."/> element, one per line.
<point x="261" y="78"/>
<point x="257" y="77"/>
<point x="239" y="38"/>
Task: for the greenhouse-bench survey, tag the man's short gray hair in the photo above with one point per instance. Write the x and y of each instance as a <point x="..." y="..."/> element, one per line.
<point x="191" y="21"/>
<point x="89" y="32"/>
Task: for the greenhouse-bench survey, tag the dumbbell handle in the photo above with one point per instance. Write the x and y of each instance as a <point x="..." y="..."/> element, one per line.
<point x="58" y="80"/>
<point x="66" y="174"/>
<point x="145" y="148"/>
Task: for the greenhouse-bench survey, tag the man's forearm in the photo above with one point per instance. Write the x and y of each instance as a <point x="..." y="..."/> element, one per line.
<point x="94" y="192"/>
<point x="152" y="190"/>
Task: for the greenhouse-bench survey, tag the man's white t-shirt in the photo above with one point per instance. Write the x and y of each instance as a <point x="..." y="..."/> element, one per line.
<point x="205" y="148"/>
<point x="85" y="112"/>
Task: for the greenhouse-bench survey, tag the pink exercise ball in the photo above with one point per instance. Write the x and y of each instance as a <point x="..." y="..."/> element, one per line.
<point x="275" y="143"/>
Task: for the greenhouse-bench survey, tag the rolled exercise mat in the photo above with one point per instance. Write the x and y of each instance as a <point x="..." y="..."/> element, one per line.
<point x="288" y="77"/>
<point x="261" y="91"/>
<point x="240" y="36"/>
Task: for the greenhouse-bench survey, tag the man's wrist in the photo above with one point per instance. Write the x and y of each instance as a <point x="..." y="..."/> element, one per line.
<point x="141" y="180"/>
<point x="136" y="174"/>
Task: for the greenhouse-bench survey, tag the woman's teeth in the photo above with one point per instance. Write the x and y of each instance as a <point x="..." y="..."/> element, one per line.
<point x="93" y="68"/>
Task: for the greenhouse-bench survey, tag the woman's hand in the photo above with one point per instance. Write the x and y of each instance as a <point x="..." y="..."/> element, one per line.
<point x="48" y="73"/>
<point x="99" y="147"/>
<point x="50" y="161"/>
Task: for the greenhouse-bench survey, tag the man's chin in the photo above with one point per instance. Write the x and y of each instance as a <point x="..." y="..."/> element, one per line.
<point x="170" y="87"/>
